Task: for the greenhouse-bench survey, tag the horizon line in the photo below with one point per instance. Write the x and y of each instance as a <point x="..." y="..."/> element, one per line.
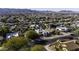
<point x="47" y="9"/>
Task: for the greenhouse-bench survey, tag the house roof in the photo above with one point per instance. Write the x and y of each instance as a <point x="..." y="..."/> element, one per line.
<point x="63" y="28"/>
<point x="71" y="46"/>
<point x="77" y="41"/>
<point x="9" y="35"/>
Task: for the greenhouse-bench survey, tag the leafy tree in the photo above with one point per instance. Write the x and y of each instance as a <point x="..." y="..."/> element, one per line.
<point x="76" y="32"/>
<point x="4" y="30"/>
<point x="15" y="43"/>
<point x="31" y="34"/>
<point x="56" y="32"/>
<point x="38" y="48"/>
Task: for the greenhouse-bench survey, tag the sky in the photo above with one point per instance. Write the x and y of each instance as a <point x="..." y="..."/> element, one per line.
<point x="53" y="5"/>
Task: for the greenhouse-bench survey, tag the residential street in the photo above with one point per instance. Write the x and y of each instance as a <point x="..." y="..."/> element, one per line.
<point x="57" y="36"/>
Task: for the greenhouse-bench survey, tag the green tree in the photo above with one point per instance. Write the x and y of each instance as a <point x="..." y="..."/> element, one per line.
<point x="76" y="32"/>
<point x="4" y="30"/>
<point x="37" y="48"/>
<point x="15" y="43"/>
<point x="31" y="34"/>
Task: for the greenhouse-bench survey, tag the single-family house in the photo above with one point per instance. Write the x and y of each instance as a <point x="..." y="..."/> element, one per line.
<point x="42" y="32"/>
<point x="75" y="24"/>
<point x="34" y="26"/>
<point x="10" y="35"/>
<point x="62" y="28"/>
<point x="70" y="45"/>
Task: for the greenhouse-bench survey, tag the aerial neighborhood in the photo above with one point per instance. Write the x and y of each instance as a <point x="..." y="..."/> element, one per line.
<point x="31" y="30"/>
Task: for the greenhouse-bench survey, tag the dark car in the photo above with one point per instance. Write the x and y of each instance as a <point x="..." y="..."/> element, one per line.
<point x="39" y="41"/>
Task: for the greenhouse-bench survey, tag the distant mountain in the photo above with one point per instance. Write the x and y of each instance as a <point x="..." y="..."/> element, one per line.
<point x="66" y="11"/>
<point x="7" y="11"/>
<point x="16" y="11"/>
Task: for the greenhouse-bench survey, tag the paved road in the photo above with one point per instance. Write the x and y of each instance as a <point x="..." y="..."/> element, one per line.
<point x="57" y="36"/>
<point x="70" y="41"/>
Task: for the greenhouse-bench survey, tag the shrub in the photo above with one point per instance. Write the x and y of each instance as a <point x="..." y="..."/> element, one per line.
<point x="15" y="43"/>
<point x="76" y="32"/>
<point x="38" y="48"/>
